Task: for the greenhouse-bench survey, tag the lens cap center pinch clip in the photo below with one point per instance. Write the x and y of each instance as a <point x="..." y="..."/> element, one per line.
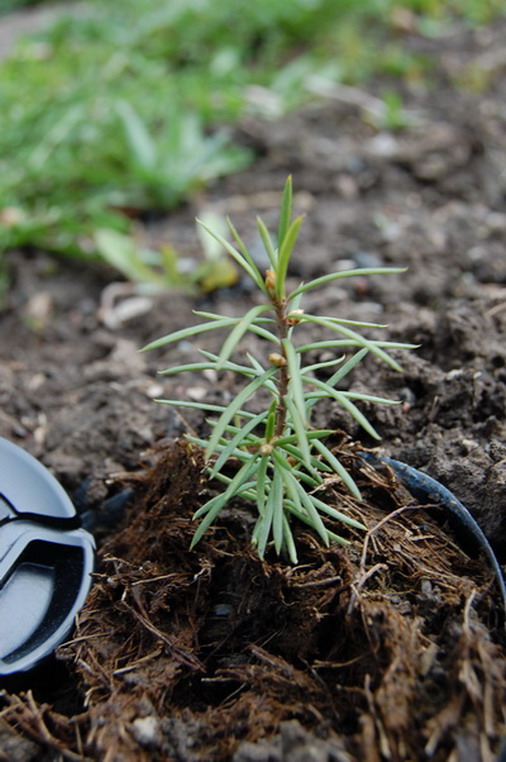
<point x="46" y="561"/>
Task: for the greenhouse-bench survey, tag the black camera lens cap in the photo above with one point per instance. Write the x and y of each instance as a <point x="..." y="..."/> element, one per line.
<point x="46" y="561"/>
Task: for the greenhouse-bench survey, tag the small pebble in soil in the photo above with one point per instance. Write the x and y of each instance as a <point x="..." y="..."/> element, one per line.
<point x="146" y="731"/>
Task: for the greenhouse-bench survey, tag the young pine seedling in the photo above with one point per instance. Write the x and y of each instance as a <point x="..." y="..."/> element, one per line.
<point x="280" y="460"/>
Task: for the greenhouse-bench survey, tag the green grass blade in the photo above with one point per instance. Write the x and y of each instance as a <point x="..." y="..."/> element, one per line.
<point x="251" y="270"/>
<point x="235" y="406"/>
<point x="284" y="256"/>
<point x="236" y="441"/>
<point x="238" y="332"/>
<point x="285" y="214"/>
<point x="122" y="252"/>
<point x="338" y="468"/>
<point x="267" y="242"/>
<point x="142" y="145"/>
<point x="345" y="274"/>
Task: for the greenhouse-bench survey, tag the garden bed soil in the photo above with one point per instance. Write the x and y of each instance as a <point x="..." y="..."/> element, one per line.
<point x="390" y="651"/>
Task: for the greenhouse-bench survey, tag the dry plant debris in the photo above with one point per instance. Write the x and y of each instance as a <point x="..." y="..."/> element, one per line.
<point x="207" y="655"/>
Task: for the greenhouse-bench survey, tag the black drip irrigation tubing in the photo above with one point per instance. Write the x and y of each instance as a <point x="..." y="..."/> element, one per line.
<point x="427" y="490"/>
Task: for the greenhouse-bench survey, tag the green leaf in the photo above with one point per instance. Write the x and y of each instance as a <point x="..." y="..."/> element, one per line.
<point x="347" y="367"/>
<point x="235" y="406"/>
<point x="338" y="515"/>
<point x="355" y="396"/>
<point x="290" y="481"/>
<point x="244" y="370"/>
<point x="370" y="398"/>
<point x="358" y="323"/>
<point x="244" y="251"/>
<point x="345" y="274"/>
<point x="319" y="434"/>
<point x="255" y="328"/>
<point x="214" y="316"/>
<point x="238" y="332"/>
<point x="261" y="485"/>
<point x="305" y="518"/>
<point x="314" y="467"/>
<point x="122" y="253"/>
<point x="313" y="514"/>
<point x="241" y="455"/>
<point x="347" y="405"/>
<point x="338" y="468"/>
<point x="277" y="492"/>
<point x="289" y="541"/>
<point x="267" y="242"/>
<point x="250" y="268"/>
<point x="236" y="441"/>
<point x="300" y="430"/>
<point x="361" y="341"/>
<point x="143" y="147"/>
<point x="185" y="333"/>
<point x="218" y="502"/>
<point x="295" y="381"/>
<point x="302" y="502"/>
<point x="192" y="366"/>
<point x="265" y="523"/>
<point x="202" y="406"/>
<point x="319" y="365"/>
<point x="334" y="343"/>
<point x="285" y="214"/>
<point x="271" y="421"/>
<point x="284" y="256"/>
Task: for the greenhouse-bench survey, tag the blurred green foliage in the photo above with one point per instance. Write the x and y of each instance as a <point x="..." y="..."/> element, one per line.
<point x="121" y="109"/>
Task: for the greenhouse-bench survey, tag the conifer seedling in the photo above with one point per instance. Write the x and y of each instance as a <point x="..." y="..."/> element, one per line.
<point x="281" y="461"/>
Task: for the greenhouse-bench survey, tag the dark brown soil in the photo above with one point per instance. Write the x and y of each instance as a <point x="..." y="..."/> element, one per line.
<point x="395" y="652"/>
